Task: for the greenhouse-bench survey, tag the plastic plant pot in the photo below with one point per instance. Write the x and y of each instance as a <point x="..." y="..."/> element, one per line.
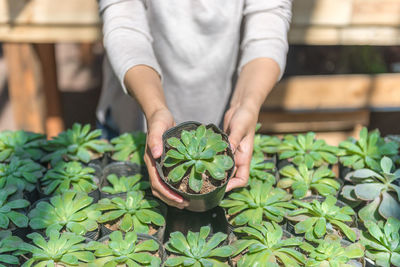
<point x="197" y="202"/>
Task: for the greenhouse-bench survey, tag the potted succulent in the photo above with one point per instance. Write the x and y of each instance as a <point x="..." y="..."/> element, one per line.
<point x="70" y="211"/>
<point x="59" y="249"/>
<point x="129" y="249"/>
<point x="9" y="249"/>
<point x="305" y="149"/>
<point x="197" y="163"/>
<point x="258" y="244"/>
<point x="69" y="176"/>
<point x="304" y="182"/>
<point x="76" y="144"/>
<point x="366" y="151"/>
<point x="260" y="202"/>
<point x="198" y="249"/>
<point x="21" y="144"/>
<point x="265" y="144"/>
<point x="11" y="215"/>
<point x="134" y="211"/>
<point x="378" y="189"/>
<point x="118" y="186"/>
<point x="262" y="169"/>
<point x="129" y="147"/>
<point x="381" y="241"/>
<point x="316" y="218"/>
<point x="334" y="252"/>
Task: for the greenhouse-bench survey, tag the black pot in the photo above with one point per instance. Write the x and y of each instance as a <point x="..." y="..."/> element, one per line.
<point x="197" y="202"/>
<point x="369" y="263"/>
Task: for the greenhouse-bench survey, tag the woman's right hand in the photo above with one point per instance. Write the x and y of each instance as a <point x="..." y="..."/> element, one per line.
<point x="160" y="121"/>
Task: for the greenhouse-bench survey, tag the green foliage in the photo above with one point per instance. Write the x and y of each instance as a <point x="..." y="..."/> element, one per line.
<point x="125" y="184"/>
<point x="68" y="175"/>
<point x="9" y="249"/>
<point x="78" y="144"/>
<point x="21" y="144"/>
<point x="8" y="209"/>
<point x="199" y="152"/>
<point x="194" y="249"/>
<point x="129" y="251"/>
<point x="301" y="180"/>
<point x="382" y="242"/>
<point x="129" y="147"/>
<point x="71" y="211"/>
<point x="22" y="173"/>
<point x="260" y="201"/>
<point x="330" y="252"/>
<point x="378" y="188"/>
<point x="264" y="243"/>
<point x="261" y="169"/>
<point x="135" y="212"/>
<point x="266" y="144"/>
<point x="366" y="151"/>
<point x="315" y="218"/>
<point x="305" y="149"/>
<point x="62" y="249"/>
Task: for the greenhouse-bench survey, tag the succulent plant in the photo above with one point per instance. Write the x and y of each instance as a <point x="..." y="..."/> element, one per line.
<point x="305" y="149"/>
<point x="9" y="249"/>
<point x="197" y="249"/>
<point x="129" y="147"/>
<point x="68" y="175"/>
<point x="261" y="169"/>
<point x="135" y="212"/>
<point x="378" y="188"/>
<point x="8" y="209"/>
<point x="330" y="252"/>
<point x="261" y="201"/>
<point x="21" y="144"/>
<point x="78" y="144"/>
<point x="65" y="249"/>
<point x="22" y="173"/>
<point x="128" y="250"/>
<point x="366" y="151"/>
<point x="264" y="243"/>
<point x="303" y="181"/>
<point x="198" y="152"/>
<point x="266" y="144"/>
<point x="71" y="211"/>
<point x="315" y="218"/>
<point x="382" y="242"/>
<point x="125" y="184"/>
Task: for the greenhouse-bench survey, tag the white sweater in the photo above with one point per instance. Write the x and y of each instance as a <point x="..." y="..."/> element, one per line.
<point x="196" y="46"/>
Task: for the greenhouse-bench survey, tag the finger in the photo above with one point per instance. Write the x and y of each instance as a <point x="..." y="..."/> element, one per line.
<point x="236" y="182"/>
<point x="227" y="119"/>
<point x="154" y="138"/>
<point x="236" y="136"/>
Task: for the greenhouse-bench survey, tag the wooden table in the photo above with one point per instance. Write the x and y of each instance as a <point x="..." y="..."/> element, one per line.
<point x="30" y="28"/>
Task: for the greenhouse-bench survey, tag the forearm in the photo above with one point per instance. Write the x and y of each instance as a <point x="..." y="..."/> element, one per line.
<point x="144" y="84"/>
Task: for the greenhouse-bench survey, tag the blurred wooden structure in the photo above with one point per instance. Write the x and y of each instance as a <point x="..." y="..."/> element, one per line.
<point x="29" y="29"/>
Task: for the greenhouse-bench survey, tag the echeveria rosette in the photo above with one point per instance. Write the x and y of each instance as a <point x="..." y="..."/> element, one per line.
<point x="129" y="147"/>
<point x="124" y="184"/>
<point x="21" y="144"/>
<point x="261" y="169"/>
<point x="60" y="249"/>
<point x="303" y="181"/>
<point x="266" y="144"/>
<point x="261" y="201"/>
<point x="22" y="173"/>
<point x="366" y="151"/>
<point x="68" y="175"/>
<point x="125" y="250"/>
<point x="304" y="149"/>
<point x="76" y="144"/>
<point x="316" y="218"/>
<point x="330" y="252"/>
<point x="377" y="188"/>
<point x="194" y="249"/>
<point x="198" y="152"/>
<point x="71" y="211"/>
<point x="262" y="243"/>
<point x="135" y="212"/>
<point x="9" y="249"/>
<point x="9" y="209"/>
<point x="382" y="242"/>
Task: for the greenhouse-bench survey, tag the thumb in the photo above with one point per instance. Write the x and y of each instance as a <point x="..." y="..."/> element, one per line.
<point x="154" y="138"/>
<point x="236" y="135"/>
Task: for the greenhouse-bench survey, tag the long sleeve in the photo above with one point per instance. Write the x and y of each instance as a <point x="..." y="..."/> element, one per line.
<point x="266" y="23"/>
<point x="127" y="38"/>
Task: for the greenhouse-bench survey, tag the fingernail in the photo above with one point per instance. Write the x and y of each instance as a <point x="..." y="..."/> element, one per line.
<point x="155" y="151"/>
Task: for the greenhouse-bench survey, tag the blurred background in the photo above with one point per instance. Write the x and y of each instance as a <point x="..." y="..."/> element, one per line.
<point x="342" y="71"/>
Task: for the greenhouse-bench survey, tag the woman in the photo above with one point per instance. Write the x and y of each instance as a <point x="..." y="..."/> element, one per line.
<point x="176" y="61"/>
